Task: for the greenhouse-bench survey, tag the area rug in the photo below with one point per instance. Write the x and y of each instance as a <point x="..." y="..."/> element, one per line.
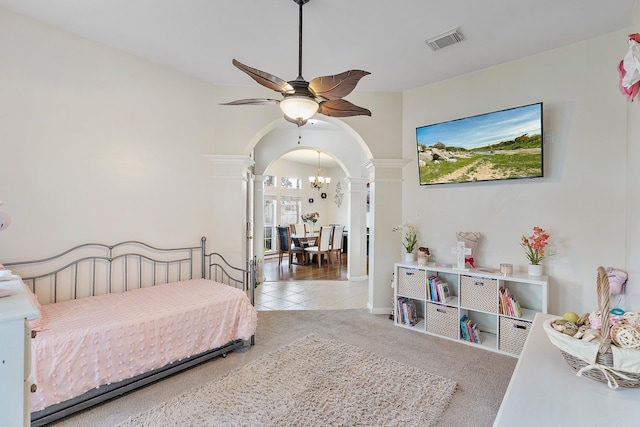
<point x="314" y="381"/>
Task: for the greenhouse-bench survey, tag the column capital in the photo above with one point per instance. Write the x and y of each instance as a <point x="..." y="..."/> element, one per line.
<point x="230" y="159"/>
<point x="387" y="163"/>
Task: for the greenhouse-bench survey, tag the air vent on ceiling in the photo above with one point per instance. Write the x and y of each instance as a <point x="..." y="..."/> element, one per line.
<point x="445" y="39"/>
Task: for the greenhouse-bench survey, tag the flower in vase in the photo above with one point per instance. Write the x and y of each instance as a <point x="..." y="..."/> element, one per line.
<point x="534" y="245"/>
<point x="310" y="217"/>
<point x="410" y="236"/>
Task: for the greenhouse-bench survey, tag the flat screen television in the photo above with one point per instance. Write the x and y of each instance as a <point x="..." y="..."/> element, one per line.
<point x="500" y="145"/>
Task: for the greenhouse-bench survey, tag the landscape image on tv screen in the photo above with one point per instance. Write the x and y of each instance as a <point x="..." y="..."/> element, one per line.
<point x="504" y="144"/>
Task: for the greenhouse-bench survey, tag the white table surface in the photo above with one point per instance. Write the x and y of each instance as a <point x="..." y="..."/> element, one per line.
<point x="17" y="305"/>
<point x="545" y="391"/>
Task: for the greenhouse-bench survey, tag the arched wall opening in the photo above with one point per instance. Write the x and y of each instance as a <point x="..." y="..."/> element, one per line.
<point x="332" y="138"/>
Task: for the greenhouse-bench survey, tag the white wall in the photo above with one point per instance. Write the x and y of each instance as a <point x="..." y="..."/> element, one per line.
<point x="582" y="200"/>
<point x="633" y="195"/>
<point x="97" y="145"/>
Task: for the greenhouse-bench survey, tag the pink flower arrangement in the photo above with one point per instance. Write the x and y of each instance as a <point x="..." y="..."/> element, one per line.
<point x="629" y="69"/>
<point x="535" y="244"/>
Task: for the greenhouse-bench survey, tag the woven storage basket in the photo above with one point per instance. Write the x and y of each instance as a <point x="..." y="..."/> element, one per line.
<point x="599" y="360"/>
<point x="513" y="334"/>
<point x="479" y="293"/>
<point x="412" y="283"/>
<point x="442" y="320"/>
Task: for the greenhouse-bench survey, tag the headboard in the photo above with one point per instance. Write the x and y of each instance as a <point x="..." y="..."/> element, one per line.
<point x="95" y="269"/>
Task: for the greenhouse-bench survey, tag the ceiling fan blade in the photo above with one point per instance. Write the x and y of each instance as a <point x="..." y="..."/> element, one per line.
<point x="265" y="79"/>
<point x="253" y="101"/>
<point x="338" y="85"/>
<point x="342" y="108"/>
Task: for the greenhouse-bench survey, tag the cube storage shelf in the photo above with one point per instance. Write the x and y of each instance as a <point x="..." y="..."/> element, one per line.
<point x="473" y="293"/>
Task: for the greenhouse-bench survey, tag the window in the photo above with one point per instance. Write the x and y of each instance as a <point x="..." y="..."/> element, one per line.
<point x="269" y="223"/>
<point x="288" y="182"/>
<point x="282" y="206"/>
<point x="290" y="209"/>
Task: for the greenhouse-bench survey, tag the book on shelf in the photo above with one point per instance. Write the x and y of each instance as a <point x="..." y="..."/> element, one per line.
<point x="509" y="305"/>
<point x="407" y="311"/>
<point x="438" y="290"/>
<point x="443" y="292"/>
<point x="463" y="328"/>
<point x="476" y="334"/>
<point x="469" y="330"/>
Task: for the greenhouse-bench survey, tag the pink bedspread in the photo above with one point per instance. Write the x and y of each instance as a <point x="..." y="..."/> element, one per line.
<point x="89" y="342"/>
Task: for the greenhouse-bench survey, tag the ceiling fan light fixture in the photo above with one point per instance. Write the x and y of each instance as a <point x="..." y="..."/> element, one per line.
<point x="299" y="107"/>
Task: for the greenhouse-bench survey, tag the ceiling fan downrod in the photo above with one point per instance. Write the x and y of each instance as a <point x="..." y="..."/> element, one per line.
<point x="300" y="3"/>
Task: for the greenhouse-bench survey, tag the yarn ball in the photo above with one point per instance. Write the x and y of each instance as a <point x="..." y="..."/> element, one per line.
<point x="625" y="336"/>
<point x="631" y="318"/>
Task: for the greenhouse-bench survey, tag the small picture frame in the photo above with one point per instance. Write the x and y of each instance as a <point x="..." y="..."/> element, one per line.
<point x="311" y="200"/>
<point x="323" y="195"/>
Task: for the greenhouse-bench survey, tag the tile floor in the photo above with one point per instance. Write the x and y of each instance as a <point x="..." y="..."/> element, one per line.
<point x="311" y="295"/>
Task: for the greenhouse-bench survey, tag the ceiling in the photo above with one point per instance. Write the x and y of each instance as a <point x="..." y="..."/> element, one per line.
<point x="310" y="157"/>
<point x="386" y="38"/>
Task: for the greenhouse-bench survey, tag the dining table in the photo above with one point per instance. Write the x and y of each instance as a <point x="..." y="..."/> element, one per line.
<point x="306" y="240"/>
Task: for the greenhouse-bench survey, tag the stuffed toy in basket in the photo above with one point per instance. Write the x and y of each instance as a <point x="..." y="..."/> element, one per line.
<point x="610" y="354"/>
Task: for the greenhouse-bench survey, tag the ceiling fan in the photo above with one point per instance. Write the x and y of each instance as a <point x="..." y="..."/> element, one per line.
<point x="302" y="99"/>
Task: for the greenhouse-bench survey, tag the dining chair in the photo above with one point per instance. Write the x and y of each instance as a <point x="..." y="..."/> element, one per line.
<point x="285" y="246"/>
<point x="300" y="229"/>
<point x="336" y="241"/>
<point x="323" y="245"/>
<point x="296" y="234"/>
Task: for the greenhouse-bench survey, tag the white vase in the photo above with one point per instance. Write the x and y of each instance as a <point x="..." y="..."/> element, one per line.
<point x="535" y="270"/>
<point x="409" y="257"/>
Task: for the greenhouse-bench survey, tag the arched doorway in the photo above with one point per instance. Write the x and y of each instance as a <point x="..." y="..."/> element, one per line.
<point x="350" y="153"/>
<point x="232" y="175"/>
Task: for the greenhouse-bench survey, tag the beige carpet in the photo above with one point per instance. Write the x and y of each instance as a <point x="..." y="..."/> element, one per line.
<point x="315" y="381"/>
<point x="482" y="376"/>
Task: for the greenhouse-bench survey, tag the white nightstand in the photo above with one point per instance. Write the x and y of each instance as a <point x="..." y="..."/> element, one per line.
<point x="15" y="353"/>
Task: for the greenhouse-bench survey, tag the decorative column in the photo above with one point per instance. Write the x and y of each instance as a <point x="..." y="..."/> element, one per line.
<point x="357" y="242"/>
<point x="385" y="212"/>
<point x="231" y="224"/>
<point x="258" y="225"/>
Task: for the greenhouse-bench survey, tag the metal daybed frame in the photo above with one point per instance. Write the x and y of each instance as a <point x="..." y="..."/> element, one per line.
<point x="105" y="263"/>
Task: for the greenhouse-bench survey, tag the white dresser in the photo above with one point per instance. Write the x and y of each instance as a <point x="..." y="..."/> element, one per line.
<point x="545" y="391"/>
<point x="15" y="353"/>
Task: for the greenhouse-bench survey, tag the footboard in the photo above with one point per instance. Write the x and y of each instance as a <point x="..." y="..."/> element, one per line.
<point x="215" y="267"/>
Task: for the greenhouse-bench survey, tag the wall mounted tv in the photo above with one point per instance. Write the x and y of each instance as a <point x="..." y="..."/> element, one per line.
<point x="501" y="145"/>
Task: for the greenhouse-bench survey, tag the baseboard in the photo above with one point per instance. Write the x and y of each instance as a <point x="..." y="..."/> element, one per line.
<point x="379" y="310"/>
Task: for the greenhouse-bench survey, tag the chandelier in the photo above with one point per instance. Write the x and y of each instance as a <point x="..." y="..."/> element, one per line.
<point x="319" y="181"/>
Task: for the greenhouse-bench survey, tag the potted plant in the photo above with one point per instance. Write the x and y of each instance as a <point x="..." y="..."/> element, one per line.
<point x="409" y="241"/>
<point x="534" y="249"/>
